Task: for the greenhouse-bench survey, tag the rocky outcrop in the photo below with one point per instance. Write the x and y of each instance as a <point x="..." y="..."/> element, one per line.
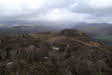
<point x="69" y="52"/>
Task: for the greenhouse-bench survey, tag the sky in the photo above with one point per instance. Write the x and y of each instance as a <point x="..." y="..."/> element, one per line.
<point x="56" y="11"/>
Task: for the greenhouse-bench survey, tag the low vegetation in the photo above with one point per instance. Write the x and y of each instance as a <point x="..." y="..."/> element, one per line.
<point x="69" y="52"/>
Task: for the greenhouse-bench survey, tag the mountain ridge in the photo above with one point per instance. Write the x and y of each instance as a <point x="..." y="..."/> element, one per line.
<point x="67" y="52"/>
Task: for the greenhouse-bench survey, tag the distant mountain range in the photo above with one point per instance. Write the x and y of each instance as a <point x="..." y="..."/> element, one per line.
<point x="17" y="30"/>
<point x="94" y="28"/>
<point x="90" y="28"/>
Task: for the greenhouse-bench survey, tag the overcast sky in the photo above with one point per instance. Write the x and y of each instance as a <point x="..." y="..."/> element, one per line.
<point x="91" y="11"/>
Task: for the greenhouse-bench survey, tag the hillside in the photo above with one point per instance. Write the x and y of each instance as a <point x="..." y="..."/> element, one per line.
<point x="68" y="52"/>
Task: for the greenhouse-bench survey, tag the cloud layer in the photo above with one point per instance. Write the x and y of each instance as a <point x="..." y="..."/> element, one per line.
<point x="68" y="11"/>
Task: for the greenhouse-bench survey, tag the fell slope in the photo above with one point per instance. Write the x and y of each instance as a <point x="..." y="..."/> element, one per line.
<point x="68" y="52"/>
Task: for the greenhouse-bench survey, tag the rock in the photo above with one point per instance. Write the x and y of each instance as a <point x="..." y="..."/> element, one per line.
<point x="68" y="52"/>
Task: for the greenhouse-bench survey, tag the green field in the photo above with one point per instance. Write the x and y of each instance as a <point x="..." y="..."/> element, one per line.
<point x="104" y="37"/>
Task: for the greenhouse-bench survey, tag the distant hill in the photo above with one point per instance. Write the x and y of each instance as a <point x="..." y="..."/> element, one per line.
<point x="18" y="30"/>
<point x="94" y="28"/>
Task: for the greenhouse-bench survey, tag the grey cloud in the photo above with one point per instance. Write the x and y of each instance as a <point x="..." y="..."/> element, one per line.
<point x="70" y="10"/>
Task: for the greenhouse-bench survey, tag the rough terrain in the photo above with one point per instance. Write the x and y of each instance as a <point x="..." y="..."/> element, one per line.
<point x="68" y="52"/>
